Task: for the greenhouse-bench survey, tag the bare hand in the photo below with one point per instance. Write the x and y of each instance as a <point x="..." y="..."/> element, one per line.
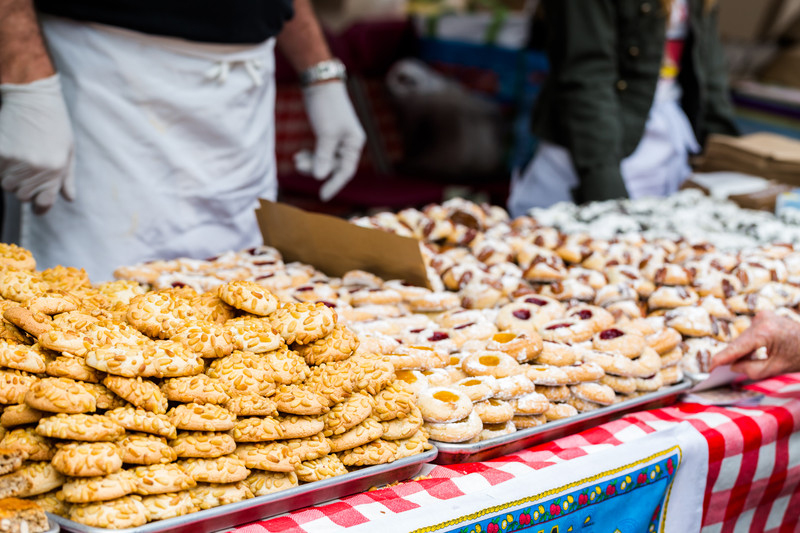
<point x="781" y="338"/>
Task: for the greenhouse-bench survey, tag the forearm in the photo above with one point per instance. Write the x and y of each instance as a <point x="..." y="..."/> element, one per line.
<point x="23" y="56"/>
<point x="302" y="40"/>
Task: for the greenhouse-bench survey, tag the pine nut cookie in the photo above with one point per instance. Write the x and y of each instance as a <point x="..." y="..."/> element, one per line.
<point x="253" y="334"/>
<point x="140" y="392"/>
<point x="300" y="427"/>
<point x="60" y="395"/>
<point x="43" y="477"/>
<point x="20" y="415"/>
<point x="26" y="440"/>
<point x="270" y="456"/>
<point x="98" y="489"/>
<point x="171" y="359"/>
<point x="300" y="400"/>
<point x="262" y="483"/>
<point x="88" y="459"/>
<point x="377" y="452"/>
<point x="145" y="449"/>
<point x="158" y="314"/>
<point x="303" y="323"/>
<point x="248" y="404"/>
<point x="210" y="307"/>
<point x="134" y="419"/>
<point x="160" y="479"/>
<point x="238" y="377"/>
<point x="348" y="414"/>
<point x="367" y="431"/>
<point x="339" y="345"/>
<point x="168" y="505"/>
<point x="207" y="496"/>
<point x="124" y="512"/>
<point x="256" y="429"/>
<point x="22" y="357"/>
<point x="207" y="339"/>
<point x="285" y="366"/>
<point x="73" y="368"/>
<point x="14" y="385"/>
<point x="225" y="469"/>
<point x="393" y="402"/>
<point x="80" y="427"/>
<point x="16" y="257"/>
<point x="195" y="389"/>
<point x="190" y="444"/>
<point x="309" y="448"/>
<point x="413" y="445"/>
<point x="319" y="469"/>
<point x="249" y="296"/>
<point x="402" y="428"/>
<point x="104" y="398"/>
<point x="201" y="417"/>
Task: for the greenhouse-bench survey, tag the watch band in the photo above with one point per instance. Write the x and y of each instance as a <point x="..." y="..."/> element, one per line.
<point x="332" y="69"/>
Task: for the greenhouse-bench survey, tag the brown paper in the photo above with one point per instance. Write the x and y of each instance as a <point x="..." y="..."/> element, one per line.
<point x="335" y="246"/>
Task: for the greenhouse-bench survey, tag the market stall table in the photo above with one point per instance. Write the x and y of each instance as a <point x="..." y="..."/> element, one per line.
<point x="752" y="480"/>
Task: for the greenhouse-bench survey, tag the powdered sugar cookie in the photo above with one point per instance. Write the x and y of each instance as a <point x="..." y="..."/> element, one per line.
<point x="413" y="380"/>
<point x="533" y="403"/>
<point x="664" y="340"/>
<point x="619" y="341"/>
<point x="671" y="375"/>
<point x="559" y="411"/>
<point x="567" y="330"/>
<point x="557" y="354"/>
<point x="458" y="431"/>
<point x="493" y="411"/>
<point x="546" y="375"/>
<point x="478" y="388"/>
<point x="486" y="363"/>
<point x="556" y="394"/>
<point x="528" y="421"/>
<point x="444" y="404"/>
<point x="594" y="392"/>
<point x="513" y="387"/>
<point x="597" y="317"/>
<point x="522" y="347"/>
<point x="583" y="372"/>
<point x="689" y="321"/>
<point x="672" y="297"/>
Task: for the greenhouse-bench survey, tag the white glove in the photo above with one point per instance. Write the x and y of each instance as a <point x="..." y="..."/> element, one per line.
<point x="36" y="143"/>
<point x="340" y="137"/>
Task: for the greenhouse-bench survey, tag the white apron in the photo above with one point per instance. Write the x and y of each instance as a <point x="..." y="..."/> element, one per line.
<point x="174" y="146"/>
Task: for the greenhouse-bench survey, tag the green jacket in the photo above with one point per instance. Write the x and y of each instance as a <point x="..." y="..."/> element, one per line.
<point x="605" y="60"/>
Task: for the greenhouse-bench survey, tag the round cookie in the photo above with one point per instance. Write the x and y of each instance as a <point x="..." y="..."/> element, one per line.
<point x="514" y="387"/>
<point x="249" y="404"/>
<point x="559" y="411"/>
<point x="393" y="402"/>
<point x="26" y="440"/>
<point x="88" y="459"/>
<point x="42" y="475"/>
<point x="140" y="392"/>
<point x="98" y="489"/>
<point x="413" y="445"/>
<point x="253" y="334"/>
<point x="73" y="368"/>
<point x="377" y="452"/>
<point x="195" y="389"/>
<point x="478" y="388"/>
<point x="570" y="330"/>
<point x="191" y="444"/>
<point x="664" y="340"/>
<point x="336" y="346"/>
<point x="209" y="495"/>
<point x="583" y="406"/>
<point x="486" y="363"/>
<point x="144" y="449"/>
<point x="348" y="414"/>
<point x="620" y="385"/>
<point x="207" y="339"/>
<point x="554" y="394"/>
<point x="521" y="346"/>
<point x="201" y="417"/>
<point x="413" y="380"/>
<point x="309" y="448"/>
<point x="528" y="421"/>
<point x="237" y="377"/>
<point x="60" y="395"/>
<point x="257" y="429"/>
<point x="616" y="340"/>
<point x="402" y="428"/>
<point x="367" y="431"/>
<point x="319" y="469"/>
<point x="134" y="419"/>
<point x="16" y="257"/>
<point x="533" y="403"/>
<point x="300" y="400"/>
<point x="263" y="483"/>
<point x="80" y="427"/>
<point x="248" y="296"/>
<point x="583" y="372"/>
<point x="491" y="431"/>
<point x="460" y="431"/>
<point x="303" y="323"/>
<point x="160" y="479"/>
<point x="444" y="404"/>
<point x="117" y="514"/>
<point x="225" y="469"/>
<point x="547" y="375"/>
<point x="494" y="411"/>
<point x="557" y="354"/>
<point x="168" y="505"/>
<point x="20" y="415"/>
<point x="22" y="357"/>
<point x="269" y="456"/>
<point x="594" y="392"/>
<point x="300" y="427"/>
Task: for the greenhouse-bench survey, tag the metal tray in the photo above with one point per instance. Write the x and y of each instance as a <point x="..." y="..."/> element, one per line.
<point x="261" y="507"/>
<point x="54" y="527"/>
<point x="505" y="444"/>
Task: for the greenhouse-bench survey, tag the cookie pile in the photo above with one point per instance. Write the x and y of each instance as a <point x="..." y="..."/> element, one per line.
<point x="134" y="406"/>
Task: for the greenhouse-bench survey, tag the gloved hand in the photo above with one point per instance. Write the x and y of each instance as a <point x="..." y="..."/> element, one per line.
<point x="340" y="137"/>
<point x="36" y="143"/>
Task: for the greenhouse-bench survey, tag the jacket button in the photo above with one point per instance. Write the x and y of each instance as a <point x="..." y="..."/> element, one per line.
<point x="622" y="85"/>
<point x="646" y="8"/>
<point x="634" y="51"/>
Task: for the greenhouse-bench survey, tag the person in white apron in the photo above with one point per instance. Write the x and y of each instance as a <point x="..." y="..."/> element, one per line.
<point x="173" y="145"/>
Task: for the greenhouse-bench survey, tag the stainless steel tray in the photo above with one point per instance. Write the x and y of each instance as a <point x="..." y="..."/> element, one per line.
<point x="54" y="527"/>
<point x="234" y="514"/>
<point x="489" y="449"/>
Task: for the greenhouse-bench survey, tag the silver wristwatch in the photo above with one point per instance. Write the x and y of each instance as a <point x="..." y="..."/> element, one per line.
<point x="332" y="69"/>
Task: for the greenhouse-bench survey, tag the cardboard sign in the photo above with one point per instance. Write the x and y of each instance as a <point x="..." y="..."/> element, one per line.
<point x="335" y="246"/>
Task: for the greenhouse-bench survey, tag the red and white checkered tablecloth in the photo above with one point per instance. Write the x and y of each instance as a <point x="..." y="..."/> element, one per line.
<point x="753" y="479"/>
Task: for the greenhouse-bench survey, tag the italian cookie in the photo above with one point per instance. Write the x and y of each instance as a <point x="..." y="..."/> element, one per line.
<point x="160" y="479"/>
<point x="134" y="419"/>
<point x="87" y="459"/>
<point x="144" y="449"/>
<point x="117" y="514"/>
<point x="60" y="395"/>
<point x="190" y="444"/>
<point x="444" y="404"/>
<point x="458" y="431"/>
<point x="248" y="296"/>
<point x="98" y="489"/>
<point x="225" y="469"/>
<point x="80" y="427"/>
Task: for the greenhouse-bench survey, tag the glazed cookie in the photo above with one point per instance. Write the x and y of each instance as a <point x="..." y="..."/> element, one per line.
<point x="144" y="449"/>
<point x="377" y="452"/>
<point x="478" y="388"/>
<point x="348" y="414"/>
<point x="248" y="404"/>
<point x="117" y="514"/>
<point x="225" y="469"/>
<point x="190" y="444"/>
<point x="559" y="411"/>
<point x="367" y="431"/>
<point x="42" y="476"/>
<point x="252" y="334"/>
<point x="309" y="448"/>
<point x="168" y="505"/>
<point x="486" y="363"/>
<point x="392" y="402"/>
<point x="31" y="444"/>
<point x="494" y="411"/>
<point x="459" y="431"/>
<point x="249" y="296"/>
<point x="207" y="339"/>
<point x="547" y="375"/>
<point x="444" y="404"/>
<point x="257" y="429"/>
<point x="522" y="347"/>
<point x="533" y="403"/>
<point x="60" y="395"/>
<point x="134" y="419"/>
<point x="208" y="496"/>
<point x="263" y="483"/>
<point x="20" y="415"/>
<point x="319" y="469"/>
<point x="619" y="341"/>
<point x="528" y="421"/>
<point x="594" y="392"/>
<point x="271" y="456"/>
<point x="513" y="387"/>
<point x="98" y="489"/>
<point x="81" y="427"/>
<point x="201" y="417"/>
<point x="402" y="428"/>
<point x="140" y="392"/>
<point x="583" y="372"/>
<point x="160" y="479"/>
<point x="303" y="323"/>
<point x="87" y="459"/>
<point x="300" y="400"/>
<point x="73" y="368"/>
<point x="337" y="346"/>
<point x="299" y="427"/>
<point x="195" y="389"/>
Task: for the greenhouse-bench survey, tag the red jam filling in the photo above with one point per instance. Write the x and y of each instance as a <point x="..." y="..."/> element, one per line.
<point x="585" y="314"/>
<point x="535" y="301"/>
<point x="438" y="336"/>
<point x="522" y="314"/>
<point x="561" y="325"/>
<point x="609" y="334"/>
